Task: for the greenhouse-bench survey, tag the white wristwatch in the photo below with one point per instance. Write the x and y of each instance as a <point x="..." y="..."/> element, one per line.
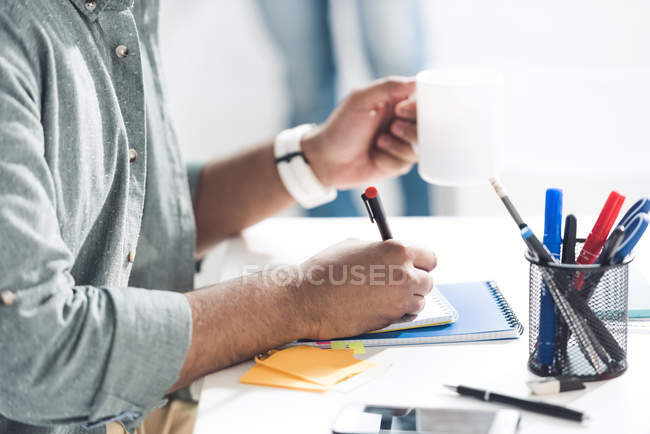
<point x="295" y="173"/>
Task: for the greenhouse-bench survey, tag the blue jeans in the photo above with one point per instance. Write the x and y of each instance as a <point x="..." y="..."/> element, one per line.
<point x="392" y="39"/>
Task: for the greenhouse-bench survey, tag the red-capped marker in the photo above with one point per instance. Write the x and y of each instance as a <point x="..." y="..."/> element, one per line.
<point x="376" y="212"/>
<point x="596" y="239"/>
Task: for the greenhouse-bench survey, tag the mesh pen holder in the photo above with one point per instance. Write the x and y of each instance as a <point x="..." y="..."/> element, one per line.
<point x="588" y="321"/>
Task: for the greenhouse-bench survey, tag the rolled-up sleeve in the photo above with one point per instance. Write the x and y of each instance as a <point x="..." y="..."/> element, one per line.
<point x="193" y="174"/>
<point x="68" y="353"/>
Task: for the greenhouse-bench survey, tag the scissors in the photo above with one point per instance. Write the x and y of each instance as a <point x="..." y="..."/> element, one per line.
<point x="633" y="232"/>
<point x="641" y="206"/>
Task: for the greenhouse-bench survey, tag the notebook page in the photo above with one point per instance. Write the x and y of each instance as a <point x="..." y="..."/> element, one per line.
<point x="437" y="311"/>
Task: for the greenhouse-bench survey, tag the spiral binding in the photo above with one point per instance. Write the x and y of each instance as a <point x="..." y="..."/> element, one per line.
<point x="505" y="308"/>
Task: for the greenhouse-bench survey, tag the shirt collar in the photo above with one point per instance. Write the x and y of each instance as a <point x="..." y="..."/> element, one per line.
<point x="99" y="6"/>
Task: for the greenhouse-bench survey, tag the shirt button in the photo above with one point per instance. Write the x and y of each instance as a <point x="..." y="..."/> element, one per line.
<point x="7" y="298"/>
<point x="122" y="51"/>
<point x="90" y="5"/>
<point x="133" y="155"/>
<point x="131" y="256"/>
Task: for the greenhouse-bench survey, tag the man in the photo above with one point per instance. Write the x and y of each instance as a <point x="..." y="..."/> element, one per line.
<point x="90" y="175"/>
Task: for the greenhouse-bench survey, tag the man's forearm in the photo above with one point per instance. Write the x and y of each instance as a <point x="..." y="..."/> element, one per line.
<point x="235" y="193"/>
<point x="324" y="299"/>
<point x="237" y="319"/>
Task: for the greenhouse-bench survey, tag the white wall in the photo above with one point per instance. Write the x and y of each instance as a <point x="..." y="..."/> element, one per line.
<point x="577" y="94"/>
<point x="223" y="76"/>
<point x="578" y="89"/>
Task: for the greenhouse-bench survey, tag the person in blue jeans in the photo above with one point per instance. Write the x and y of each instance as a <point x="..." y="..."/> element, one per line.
<point x="392" y="38"/>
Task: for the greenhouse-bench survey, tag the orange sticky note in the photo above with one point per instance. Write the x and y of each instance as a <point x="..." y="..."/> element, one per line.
<point x="316" y="365"/>
<point x="260" y="375"/>
<point x="305" y="368"/>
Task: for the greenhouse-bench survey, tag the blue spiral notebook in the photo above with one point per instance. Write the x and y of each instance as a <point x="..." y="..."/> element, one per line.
<point x="483" y="314"/>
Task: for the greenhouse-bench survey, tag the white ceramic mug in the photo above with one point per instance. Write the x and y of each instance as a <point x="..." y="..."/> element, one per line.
<point x="460" y="125"/>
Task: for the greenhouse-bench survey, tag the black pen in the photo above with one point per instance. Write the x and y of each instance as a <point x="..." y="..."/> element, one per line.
<point x="525" y="404"/>
<point x="376" y="212"/>
<point x="568" y="257"/>
<point x="569" y="240"/>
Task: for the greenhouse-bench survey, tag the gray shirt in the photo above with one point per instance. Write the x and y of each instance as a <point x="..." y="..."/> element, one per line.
<point x="94" y="206"/>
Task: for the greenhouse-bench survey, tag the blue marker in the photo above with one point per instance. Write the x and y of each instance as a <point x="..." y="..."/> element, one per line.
<point x="633" y="233"/>
<point x="553" y="242"/>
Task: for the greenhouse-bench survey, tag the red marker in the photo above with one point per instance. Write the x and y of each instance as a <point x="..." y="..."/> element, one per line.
<point x="596" y="239"/>
<point x="376" y="212"/>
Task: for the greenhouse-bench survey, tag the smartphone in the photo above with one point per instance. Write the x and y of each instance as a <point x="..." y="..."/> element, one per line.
<point x="370" y="419"/>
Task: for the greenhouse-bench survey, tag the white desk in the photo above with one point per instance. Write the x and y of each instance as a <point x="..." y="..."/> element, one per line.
<point x="468" y="249"/>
